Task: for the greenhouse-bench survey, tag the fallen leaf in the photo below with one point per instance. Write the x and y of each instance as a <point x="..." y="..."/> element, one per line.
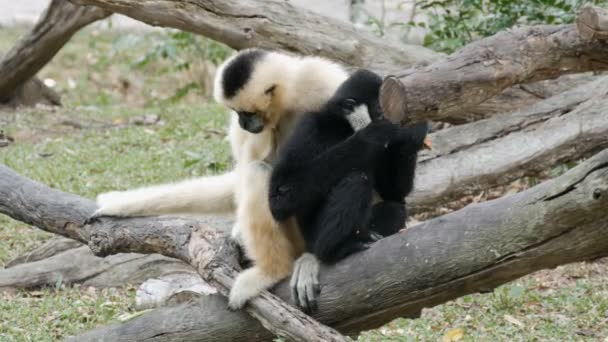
<point x="453" y="335"/>
<point x="514" y="321"/>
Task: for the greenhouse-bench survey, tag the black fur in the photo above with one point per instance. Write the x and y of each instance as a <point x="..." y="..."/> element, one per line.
<point x="325" y="172"/>
<point x="238" y="72"/>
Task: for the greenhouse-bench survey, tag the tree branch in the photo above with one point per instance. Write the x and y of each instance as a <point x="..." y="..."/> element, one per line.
<point x="271" y="24"/>
<point x="498" y="150"/>
<point x="56" y="26"/>
<point x="445" y="89"/>
<point x="474" y="249"/>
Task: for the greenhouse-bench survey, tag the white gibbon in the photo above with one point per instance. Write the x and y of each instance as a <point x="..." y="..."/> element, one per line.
<point x="266" y="92"/>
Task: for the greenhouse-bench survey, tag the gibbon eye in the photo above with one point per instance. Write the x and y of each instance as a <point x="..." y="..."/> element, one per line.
<point x="350" y="104"/>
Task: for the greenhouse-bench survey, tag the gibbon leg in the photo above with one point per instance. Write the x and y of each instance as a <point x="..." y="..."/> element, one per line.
<point x="387" y="218"/>
<point x="341" y="225"/>
<point x="266" y="241"/>
<point x="394" y="176"/>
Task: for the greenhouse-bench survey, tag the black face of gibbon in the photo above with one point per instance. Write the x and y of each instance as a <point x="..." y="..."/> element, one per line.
<point x="327" y="170"/>
<point x="361" y="89"/>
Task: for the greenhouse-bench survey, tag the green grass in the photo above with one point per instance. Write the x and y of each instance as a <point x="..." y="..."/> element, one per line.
<point x="102" y="90"/>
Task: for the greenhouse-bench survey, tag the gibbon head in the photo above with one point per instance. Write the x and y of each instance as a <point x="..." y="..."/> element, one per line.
<point x="251" y="83"/>
<point x="358" y="98"/>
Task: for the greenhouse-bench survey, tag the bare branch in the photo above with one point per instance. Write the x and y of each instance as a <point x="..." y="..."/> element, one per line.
<point x="445" y="89"/>
<point x="495" y="151"/>
<point x="271" y="24"/>
<point x="592" y="23"/>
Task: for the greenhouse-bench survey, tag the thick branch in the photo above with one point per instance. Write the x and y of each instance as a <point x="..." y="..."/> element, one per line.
<point x="78" y="265"/>
<point x="497" y="150"/>
<point x="445" y="89"/>
<point x="56" y="26"/>
<point x="474" y="249"/>
<point x="271" y="24"/>
<point x="592" y="23"/>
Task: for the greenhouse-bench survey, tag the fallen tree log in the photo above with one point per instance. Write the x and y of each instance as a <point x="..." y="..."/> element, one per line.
<point x="56" y="26"/>
<point x="446" y="89"/>
<point x="271" y="24"/>
<point x="52" y="247"/>
<point x="164" y="281"/>
<point x="495" y="151"/>
<point x="471" y="250"/>
<point x="80" y="266"/>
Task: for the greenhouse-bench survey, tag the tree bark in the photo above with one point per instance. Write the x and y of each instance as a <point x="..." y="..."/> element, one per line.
<point x="592" y="23"/>
<point x="445" y="89"/>
<point x="56" y="26"/>
<point x="498" y="150"/>
<point x="474" y="249"/>
<point x="80" y="266"/>
<point x="271" y="24"/>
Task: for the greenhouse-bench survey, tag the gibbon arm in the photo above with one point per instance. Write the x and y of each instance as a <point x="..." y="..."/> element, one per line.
<point x="304" y="182"/>
<point x="212" y="194"/>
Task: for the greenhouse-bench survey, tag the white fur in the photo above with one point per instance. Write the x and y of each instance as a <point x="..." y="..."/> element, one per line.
<point x="303" y="84"/>
<point x="249" y="283"/>
<point x="359" y="118"/>
<point x="199" y="195"/>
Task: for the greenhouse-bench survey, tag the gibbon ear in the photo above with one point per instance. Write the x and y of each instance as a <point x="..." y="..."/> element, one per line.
<point x="270" y="90"/>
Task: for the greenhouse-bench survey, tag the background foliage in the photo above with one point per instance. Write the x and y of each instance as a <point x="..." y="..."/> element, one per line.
<point x="455" y="23"/>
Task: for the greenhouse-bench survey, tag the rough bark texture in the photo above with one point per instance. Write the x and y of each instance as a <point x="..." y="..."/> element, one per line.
<point x="80" y="266"/>
<point x="445" y="89"/>
<point x="474" y="249"/>
<point x="271" y="24"/>
<point x="592" y="23"/>
<point x="495" y="151"/>
<point x="48" y="249"/>
<point x="171" y="289"/>
<point x="189" y="240"/>
<point x="56" y="26"/>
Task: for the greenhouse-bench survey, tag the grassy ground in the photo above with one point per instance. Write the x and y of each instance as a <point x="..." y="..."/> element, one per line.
<point x="92" y="145"/>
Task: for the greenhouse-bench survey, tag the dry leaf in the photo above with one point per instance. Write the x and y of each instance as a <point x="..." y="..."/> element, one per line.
<point x="453" y="335"/>
<point x="514" y="321"/>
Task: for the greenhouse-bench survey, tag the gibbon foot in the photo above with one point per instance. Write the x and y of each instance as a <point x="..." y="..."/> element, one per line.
<point x="248" y="284"/>
<point x="304" y="283"/>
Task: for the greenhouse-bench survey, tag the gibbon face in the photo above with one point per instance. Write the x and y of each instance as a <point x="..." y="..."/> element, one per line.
<point x="250" y="84"/>
<point x="358" y="99"/>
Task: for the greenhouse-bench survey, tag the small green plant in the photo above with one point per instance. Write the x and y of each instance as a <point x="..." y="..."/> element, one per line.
<point x="181" y="47"/>
<point x="455" y="23"/>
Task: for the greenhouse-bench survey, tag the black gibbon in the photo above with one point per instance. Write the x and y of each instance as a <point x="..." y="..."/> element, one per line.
<point x="267" y="92"/>
<point x="328" y="169"/>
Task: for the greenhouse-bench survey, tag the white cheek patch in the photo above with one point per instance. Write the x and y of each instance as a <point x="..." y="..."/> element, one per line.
<point x="359" y="118"/>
